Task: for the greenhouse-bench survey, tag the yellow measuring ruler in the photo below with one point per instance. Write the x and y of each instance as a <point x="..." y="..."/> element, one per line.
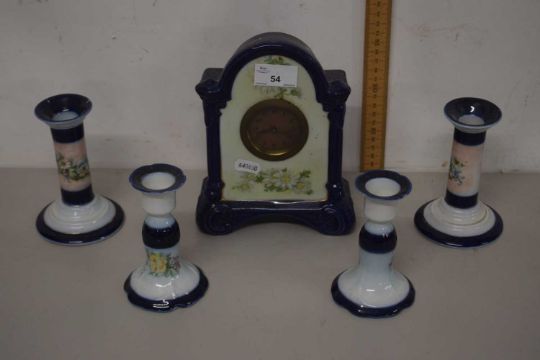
<point x="375" y="85"/>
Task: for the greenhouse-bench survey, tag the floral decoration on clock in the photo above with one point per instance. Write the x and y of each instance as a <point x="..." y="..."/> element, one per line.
<point x="277" y="180"/>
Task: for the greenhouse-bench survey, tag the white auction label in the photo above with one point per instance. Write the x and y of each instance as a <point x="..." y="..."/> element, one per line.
<point x="276" y="75"/>
<point x="247" y="166"/>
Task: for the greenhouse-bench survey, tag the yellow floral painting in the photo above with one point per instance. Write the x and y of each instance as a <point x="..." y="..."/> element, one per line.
<point x="162" y="264"/>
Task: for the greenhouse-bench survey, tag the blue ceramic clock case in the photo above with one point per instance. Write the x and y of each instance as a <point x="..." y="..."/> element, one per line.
<point x="79" y="217"/>
<point x="373" y="288"/>
<point x="166" y="281"/>
<point x="217" y="216"/>
<point x="459" y="219"/>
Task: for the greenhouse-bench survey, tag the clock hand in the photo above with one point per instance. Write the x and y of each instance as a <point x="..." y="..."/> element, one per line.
<point x="269" y="130"/>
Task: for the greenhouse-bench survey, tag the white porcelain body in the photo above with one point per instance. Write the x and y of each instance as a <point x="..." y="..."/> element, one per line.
<point x="160" y="221"/>
<point x="469" y="158"/>
<point x="459" y="222"/>
<point x="165" y="287"/>
<point x="373" y="282"/>
<point x="379" y="215"/>
<point x="79" y="219"/>
<point x="159" y="204"/>
<point x="379" y="228"/>
<point x="380" y="211"/>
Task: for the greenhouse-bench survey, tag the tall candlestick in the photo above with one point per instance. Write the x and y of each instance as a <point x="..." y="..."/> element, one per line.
<point x="80" y="216"/>
<point x="459" y="219"/>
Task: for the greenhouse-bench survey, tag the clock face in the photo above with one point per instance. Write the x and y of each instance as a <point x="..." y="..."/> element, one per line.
<point x="274" y="129"/>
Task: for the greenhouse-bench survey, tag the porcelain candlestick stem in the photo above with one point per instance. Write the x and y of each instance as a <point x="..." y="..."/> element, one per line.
<point x="459" y="219"/>
<point x="166" y="281"/>
<point x="80" y="216"/>
<point x="373" y="288"/>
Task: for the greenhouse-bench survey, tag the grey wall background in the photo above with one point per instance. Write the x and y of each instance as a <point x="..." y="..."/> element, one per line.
<point x="138" y="61"/>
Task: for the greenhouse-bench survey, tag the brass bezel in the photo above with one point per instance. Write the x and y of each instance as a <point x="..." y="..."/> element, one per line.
<point x="281" y="104"/>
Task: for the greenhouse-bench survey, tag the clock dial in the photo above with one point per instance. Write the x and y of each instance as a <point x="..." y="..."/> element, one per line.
<point x="274" y="129"/>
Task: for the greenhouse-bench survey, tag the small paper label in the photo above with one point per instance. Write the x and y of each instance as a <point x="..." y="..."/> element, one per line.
<point x="247" y="166"/>
<point x="276" y="75"/>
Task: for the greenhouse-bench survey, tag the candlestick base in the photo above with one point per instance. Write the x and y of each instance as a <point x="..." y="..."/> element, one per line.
<point x="161" y="293"/>
<point x="85" y="224"/>
<point x="454" y="227"/>
<point x="365" y="301"/>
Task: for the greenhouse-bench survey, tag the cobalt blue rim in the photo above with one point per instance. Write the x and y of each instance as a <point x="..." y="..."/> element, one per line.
<point x="84" y="238"/>
<point x="183" y="301"/>
<point x="404" y="183"/>
<point x="137" y="176"/>
<point x="53" y="105"/>
<point x="457" y="242"/>
<point x="371" y="312"/>
<point x="484" y="109"/>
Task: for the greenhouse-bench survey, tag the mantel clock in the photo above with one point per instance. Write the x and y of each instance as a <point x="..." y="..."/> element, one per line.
<point x="274" y="128"/>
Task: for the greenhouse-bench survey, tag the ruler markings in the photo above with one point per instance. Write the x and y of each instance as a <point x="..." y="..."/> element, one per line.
<point x="375" y="84"/>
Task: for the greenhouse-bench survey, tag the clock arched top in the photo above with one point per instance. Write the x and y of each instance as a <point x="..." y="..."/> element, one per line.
<point x="331" y="86"/>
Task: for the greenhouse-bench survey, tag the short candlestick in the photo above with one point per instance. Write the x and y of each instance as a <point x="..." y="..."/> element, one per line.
<point x="166" y="281"/>
<point x="373" y="288"/>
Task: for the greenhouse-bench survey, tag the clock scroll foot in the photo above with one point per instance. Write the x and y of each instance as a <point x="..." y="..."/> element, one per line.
<point x="335" y="220"/>
<point x="214" y="219"/>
